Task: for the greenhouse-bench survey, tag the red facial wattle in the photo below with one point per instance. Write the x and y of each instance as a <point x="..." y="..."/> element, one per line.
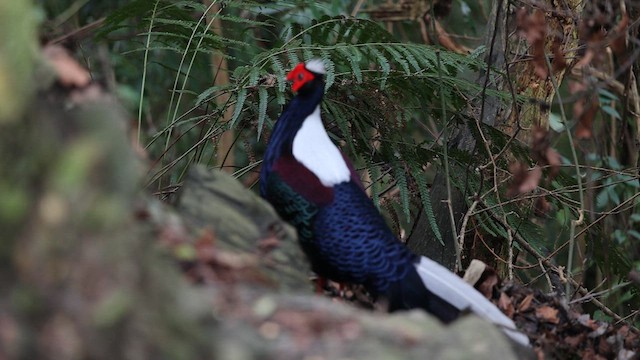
<point x="299" y="76"/>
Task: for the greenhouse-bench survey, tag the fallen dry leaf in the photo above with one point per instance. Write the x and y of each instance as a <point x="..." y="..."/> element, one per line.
<point x="584" y="129"/>
<point x="619" y="41"/>
<point x="548" y="314"/>
<point x="574" y="341"/>
<point x="524" y="180"/>
<point x="506" y="305"/>
<point x="586" y="321"/>
<point x="525" y="304"/>
<point x="542" y="206"/>
<point x="554" y="160"/>
<point x="543" y="153"/>
<point x="204" y="246"/>
<point x="68" y="71"/>
<point x="559" y="62"/>
<point x="488" y="282"/>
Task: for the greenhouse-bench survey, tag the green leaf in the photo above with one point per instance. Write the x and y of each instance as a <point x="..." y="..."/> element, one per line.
<point x="240" y="98"/>
<point x="425" y="196"/>
<point x="611" y="111"/>
<point x="262" y="108"/>
<point x="556" y="123"/>
<point x="401" y="183"/>
<point x="634" y="233"/>
<point x="602" y="199"/>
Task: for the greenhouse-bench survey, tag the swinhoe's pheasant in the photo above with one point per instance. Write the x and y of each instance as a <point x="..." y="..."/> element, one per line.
<point x="313" y="186"/>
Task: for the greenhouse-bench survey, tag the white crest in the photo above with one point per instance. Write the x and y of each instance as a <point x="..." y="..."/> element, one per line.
<point x="315" y="150"/>
<point x="315" y="65"/>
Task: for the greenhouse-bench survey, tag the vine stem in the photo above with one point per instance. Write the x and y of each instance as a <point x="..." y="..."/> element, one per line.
<point x="144" y="70"/>
<point x="171" y="119"/>
<point x="445" y="139"/>
<point x="580" y="220"/>
<point x="465" y="221"/>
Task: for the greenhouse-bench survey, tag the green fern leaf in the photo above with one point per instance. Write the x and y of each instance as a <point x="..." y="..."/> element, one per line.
<point x="280" y="72"/>
<point x="374" y="173"/>
<point x="352" y="56"/>
<point x="262" y="108"/>
<point x="398" y="58"/>
<point x="382" y="61"/>
<point x="330" y="67"/>
<point x="403" y="186"/>
<point x="420" y="178"/>
<point x="240" y="99"/>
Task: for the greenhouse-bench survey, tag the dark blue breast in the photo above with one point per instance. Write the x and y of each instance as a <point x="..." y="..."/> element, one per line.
<point x="354" y="243"/>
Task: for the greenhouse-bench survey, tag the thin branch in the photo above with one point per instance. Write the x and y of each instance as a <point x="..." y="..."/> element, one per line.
<point x="445" y="136"/>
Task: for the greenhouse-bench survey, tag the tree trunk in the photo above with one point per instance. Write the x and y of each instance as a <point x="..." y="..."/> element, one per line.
<point x="505" y="55"/>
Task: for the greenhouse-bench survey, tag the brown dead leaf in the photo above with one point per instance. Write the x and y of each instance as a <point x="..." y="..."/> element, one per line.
<point x="204" y="246"/>
<point x="631" y="340"/>
<point x="605" y="348"/>
<point x="559" y="62"/>
<point x="554" y="160"/>
<point x="525" y="304"/>
<point x="445" y="40"/>
<point x="574" y="341"/>
<point x="532" y="26"/>
<point x="634" y="275"/>
<point x="506" y="305"/>
<point x="584" y="129"/>
<point x="590" y="354"/>
<point x="542" y="206"/>
<point x="68" y="71"/>
<point x="584" y="109"/>
<point x="586" y="321"/>
<point x="619" y="41"/>
<point x="592" y="31"/>
<point x="524" y="180"/>
<point x="543" y="153"/>
<point x="547" y="314"/>
<point x="577" y="86"/>
<point x="488" y="282"/>
<point x="539" y="142"/>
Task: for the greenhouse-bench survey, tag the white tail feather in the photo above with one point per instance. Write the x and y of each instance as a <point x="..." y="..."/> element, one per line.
<point x="450" y="287"/>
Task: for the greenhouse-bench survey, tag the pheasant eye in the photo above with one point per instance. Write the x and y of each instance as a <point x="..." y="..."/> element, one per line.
<point x="300" y="76"/>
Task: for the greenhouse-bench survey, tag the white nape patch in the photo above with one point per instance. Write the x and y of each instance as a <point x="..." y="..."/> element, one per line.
<point x="315" y="150"/>
<point x="315" y="65"/>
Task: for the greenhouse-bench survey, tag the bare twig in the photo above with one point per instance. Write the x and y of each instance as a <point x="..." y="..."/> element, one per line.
<point x="465" y="220"/>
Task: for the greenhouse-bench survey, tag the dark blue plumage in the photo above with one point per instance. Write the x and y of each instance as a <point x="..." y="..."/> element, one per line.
<point x="313" y="186"/>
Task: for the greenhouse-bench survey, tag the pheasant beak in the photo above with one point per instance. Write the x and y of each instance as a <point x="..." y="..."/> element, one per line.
<point x="299" y="76"/>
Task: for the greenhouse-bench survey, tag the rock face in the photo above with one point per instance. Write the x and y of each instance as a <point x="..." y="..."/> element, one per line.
<point x="292" y="323"/>
<point x="243" y="223"/>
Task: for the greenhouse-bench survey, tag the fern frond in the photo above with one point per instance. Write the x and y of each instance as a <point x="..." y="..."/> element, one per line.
<point x="240" y="99"/>
<point x="403" y="186"/>
<point x="420" y="179"/>
<point x="262" y="108"/>
<point x="374" y="174"/>
<point x="331" y="68"/>
<point x="381" y="61"/>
